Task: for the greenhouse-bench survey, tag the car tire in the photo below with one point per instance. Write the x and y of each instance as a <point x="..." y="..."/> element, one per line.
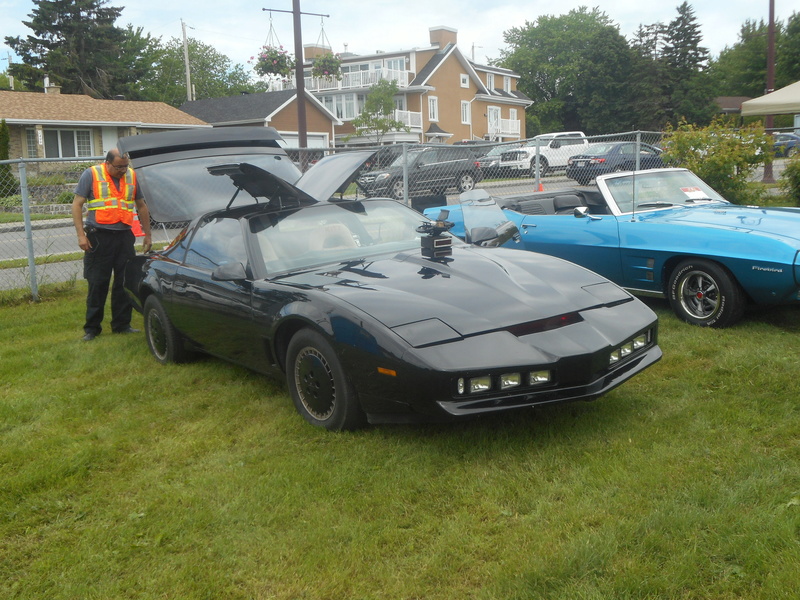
<point x="396" y="189"/>
<point x="163" y="339"/>
<point x="466" y="182"/>
<point x="702" y="292"/>
<point x="318" y="384"/>
<point x="543" y="166"/>
<point x="790" y="152"/>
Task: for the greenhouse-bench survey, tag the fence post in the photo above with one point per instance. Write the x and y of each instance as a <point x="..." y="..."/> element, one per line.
<point x="26" y="215"/>
<point x="405" y="174"/>
<point x="638" y="150"/>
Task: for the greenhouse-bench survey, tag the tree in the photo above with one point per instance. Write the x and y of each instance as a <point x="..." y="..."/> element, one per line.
<point x="376" y="119"/>
<point x="649" y="102"/>
<point x="76" y="44"/>
<point x="602" y="93"/>
<point x="741" y="69"/>
<point x="688" y="84"/>
<point x="788" y="52"/>
<point x="212" y="74"/>
<point x="550" y="55"/>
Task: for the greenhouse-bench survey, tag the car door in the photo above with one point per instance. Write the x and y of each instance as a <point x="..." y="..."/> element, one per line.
<point x="216" y="315"/>
<point x="427" y="172"/>
<point x="590" y="242"/>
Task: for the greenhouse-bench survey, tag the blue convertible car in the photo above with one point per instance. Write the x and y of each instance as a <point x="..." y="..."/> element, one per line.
<point x="661" y="232"/>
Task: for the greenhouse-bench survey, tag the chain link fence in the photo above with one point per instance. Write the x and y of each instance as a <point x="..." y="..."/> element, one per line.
<point x="38" y="245"/>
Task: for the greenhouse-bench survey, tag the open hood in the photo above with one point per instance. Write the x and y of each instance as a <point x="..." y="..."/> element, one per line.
<point x="185" y="174"/>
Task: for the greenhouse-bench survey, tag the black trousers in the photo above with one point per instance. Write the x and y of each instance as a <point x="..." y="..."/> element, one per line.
<point x="110" y="251"/>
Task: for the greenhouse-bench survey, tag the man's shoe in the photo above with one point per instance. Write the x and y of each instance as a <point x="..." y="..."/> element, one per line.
<point x="128" y="330"/>
<point x="89" y="336"/>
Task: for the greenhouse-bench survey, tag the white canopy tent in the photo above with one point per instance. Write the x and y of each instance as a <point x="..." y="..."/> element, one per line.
<point x="785" y="101"/>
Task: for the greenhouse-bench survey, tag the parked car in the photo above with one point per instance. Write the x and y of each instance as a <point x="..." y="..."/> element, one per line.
<point x="665" y="232"/>
<point x="612" y="157"/>
<point x="554" y="150"/>
<point x="370" y="311"/>
<point x="786" y="144"/>
<point x="489" y="163"/>
<point x="429" y="170"/>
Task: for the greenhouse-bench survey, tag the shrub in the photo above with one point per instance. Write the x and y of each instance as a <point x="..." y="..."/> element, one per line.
<point x="10" y="201"/>
<point x="65" y="197"/>
<point x="790" y="179"/>
<point x="721" y="156"/>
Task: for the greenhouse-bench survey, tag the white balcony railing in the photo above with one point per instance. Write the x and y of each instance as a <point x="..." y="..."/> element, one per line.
<point x="505" y="127"/>
<point x="412" y="120"/>
<point x="357" y="79"/>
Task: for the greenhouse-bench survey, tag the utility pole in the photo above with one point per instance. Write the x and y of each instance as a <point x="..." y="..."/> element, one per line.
<point x="8" y="72"/>
<point x="189" y="92"/>
<point x="300" y="82"/>
<point x="769" y="119"/>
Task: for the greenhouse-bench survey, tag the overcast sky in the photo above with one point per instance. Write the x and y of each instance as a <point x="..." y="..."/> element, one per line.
<point x="238" y="29"/>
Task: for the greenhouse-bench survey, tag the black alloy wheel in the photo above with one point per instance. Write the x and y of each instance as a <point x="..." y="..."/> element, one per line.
<point x="319" y="386"/>
<point x="543" y="166"/>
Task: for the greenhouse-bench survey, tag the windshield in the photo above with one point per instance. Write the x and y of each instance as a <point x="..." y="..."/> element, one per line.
<point x="330" y="233"/>
<point x="659" y="189"/>
<point x="481" y="213"/>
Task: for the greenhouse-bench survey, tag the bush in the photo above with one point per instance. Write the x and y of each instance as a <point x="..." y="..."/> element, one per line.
<point x="790" y="179"/>
<point x="65" y="197"/>
<point x="721" y="156"/>
<point x="10" y="201"/>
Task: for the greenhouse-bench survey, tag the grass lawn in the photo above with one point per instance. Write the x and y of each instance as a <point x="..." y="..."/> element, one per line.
<point x="122" y="478"/>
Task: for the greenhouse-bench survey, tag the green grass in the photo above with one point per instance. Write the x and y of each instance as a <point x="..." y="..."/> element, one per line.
<point x="122" y="478"/>
<point x="12" y="217"/>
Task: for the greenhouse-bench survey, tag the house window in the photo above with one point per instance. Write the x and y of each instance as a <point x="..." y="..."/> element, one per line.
<point x="507" y="84"/>
<point x="512" y="114"/>
<point x="490" y="81"/>
<point x="433" y="108"/>
<point x="464" y="80"/>
<point x="344" y="106"/>
<point x="62" y="143"/>
<point x="396" y="64"/>
<point x="30" y="142"/>
<point x="466" y="112"/>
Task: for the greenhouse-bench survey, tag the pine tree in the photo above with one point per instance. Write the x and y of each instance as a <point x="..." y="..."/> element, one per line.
<point x="76" y="44"/>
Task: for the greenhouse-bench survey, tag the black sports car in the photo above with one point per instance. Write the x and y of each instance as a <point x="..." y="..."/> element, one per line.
<point x="371" y="311"/>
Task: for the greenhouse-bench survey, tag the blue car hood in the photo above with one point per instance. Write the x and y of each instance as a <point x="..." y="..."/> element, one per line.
<point x="774" y="222"/>
<point x="478" y="290"/>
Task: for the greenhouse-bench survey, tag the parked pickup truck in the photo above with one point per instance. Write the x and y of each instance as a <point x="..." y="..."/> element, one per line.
<point x="554" y="152"/>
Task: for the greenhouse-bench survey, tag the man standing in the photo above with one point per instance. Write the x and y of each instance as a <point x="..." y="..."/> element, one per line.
<point x="109" y="192"/>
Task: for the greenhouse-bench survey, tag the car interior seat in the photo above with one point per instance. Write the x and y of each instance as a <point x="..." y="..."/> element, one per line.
<point x="333" y="236"/>
<point x="566" y="204"/>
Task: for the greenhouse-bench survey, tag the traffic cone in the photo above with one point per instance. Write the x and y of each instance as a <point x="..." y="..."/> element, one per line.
<point x="137" y="227"/>
<point x="541" y="187"/>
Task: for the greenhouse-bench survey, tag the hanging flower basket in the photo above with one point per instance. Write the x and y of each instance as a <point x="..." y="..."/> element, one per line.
<point x="328" y="65"/>
<point x="273" y="60"/>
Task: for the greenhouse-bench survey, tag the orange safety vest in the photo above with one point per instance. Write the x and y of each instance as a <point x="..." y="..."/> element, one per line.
<point x="112" y="205"/>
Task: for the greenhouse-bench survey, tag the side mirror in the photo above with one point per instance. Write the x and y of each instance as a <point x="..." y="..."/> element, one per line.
<point x="481" y="235"/>
<point x="232" y="271"/>
<point x="580" y="212"/>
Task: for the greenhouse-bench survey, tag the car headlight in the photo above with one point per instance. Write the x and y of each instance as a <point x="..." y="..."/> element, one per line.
<point x="382" y="176"/>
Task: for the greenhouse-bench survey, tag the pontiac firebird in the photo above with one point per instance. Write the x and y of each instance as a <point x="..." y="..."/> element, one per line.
<point x="370" y="311"/>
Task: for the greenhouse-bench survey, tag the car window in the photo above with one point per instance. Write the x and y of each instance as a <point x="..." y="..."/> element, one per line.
<point x="216" y="242"/>
<point x="334" y="233"/>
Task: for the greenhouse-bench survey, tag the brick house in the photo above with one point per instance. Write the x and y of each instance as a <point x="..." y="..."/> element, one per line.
<point x="55" y="125"/>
